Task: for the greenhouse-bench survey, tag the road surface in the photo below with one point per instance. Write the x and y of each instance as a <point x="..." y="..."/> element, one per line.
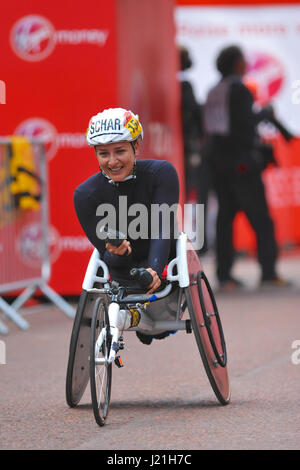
<point x="161" y="399"/>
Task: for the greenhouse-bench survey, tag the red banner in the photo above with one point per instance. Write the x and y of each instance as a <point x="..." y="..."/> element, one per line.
<point x="62" y="65"/>
<point x="147" y="76"/>
<point x="59" y="65"/>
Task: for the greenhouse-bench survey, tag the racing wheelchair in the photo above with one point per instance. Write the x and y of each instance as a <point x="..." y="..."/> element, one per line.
<point x="107" y="309"/>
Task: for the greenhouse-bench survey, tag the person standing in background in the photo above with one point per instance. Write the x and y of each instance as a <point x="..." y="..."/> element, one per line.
<point x="235" y="164"/>
<point x="196" y="173"/>
<point x="191" y="124"/>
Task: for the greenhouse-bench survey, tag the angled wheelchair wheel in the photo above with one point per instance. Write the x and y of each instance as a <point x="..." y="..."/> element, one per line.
<point x="212" y="319"/>
<point x="208" y="331"/>
<point x="100" y="369"/>
<point x="78" y="367"/>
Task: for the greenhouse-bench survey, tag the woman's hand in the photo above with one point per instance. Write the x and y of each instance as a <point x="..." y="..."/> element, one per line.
<point x="119" y="250"/>
<point x="155" y="283"/>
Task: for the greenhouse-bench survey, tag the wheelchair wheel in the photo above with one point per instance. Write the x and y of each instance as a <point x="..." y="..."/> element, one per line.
<point x="100" y="373"/>
<point x="77" y="369"/>
<point x="212" y="320"/>
<point x="207" y="327"/>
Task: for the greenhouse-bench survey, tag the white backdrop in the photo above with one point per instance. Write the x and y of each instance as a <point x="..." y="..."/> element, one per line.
<point x="270" y="38"/>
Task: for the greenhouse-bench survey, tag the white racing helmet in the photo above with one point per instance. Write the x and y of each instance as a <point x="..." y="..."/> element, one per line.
<point x="114" y="125"/>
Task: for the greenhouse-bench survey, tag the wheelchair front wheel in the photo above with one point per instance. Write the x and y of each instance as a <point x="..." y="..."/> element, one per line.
<point x="100" y="369"/>
<point x="207" y="328"/>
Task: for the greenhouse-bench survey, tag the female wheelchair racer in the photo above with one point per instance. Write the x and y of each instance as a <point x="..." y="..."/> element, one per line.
<point x="109" y="294"/>
<point x="116" y="134"/>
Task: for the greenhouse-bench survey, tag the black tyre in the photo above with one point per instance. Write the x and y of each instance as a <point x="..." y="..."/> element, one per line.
<point x="213" y="325"/>
<point x="209" y="334"/>
<point x="77" y="370"/>
<point x="100" y="373"/>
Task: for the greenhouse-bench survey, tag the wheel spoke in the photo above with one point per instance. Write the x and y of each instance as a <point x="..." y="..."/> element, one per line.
<point x="101" y="380"/>
<point x="100" y="374"/>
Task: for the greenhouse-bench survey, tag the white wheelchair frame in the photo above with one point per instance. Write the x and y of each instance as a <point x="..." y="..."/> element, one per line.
<point x="119" y="318"/>
<point x="119" y="303"/>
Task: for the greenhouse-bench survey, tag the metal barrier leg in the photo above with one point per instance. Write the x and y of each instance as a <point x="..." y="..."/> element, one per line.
<point x="3" y="329"/>
<point x="26" y="294"/>
<point x="13" y="315"/>
<point x="31" y="152"/>
<point x="58" y="300"/>
<point x="11" y="310"/>
<point x="50" y="293"/>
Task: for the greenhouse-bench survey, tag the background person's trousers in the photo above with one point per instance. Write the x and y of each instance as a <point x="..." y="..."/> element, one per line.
<point x="246" y="193"/>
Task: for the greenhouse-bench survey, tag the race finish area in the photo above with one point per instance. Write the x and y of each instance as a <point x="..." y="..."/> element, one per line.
<point x="164" y="404"/>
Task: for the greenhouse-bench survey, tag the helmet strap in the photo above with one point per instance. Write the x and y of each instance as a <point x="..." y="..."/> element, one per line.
<point x="133" y="146"/>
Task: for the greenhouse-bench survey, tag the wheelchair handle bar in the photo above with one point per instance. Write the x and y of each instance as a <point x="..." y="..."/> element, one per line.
<point x="142" y="276"/>
<point x="113" y="237"/>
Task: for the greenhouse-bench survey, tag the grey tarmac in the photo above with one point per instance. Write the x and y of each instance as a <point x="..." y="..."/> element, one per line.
<point x="161" y="399"/>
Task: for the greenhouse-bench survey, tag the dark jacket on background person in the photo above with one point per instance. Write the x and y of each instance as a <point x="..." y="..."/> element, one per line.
<point x="235" y="165"/>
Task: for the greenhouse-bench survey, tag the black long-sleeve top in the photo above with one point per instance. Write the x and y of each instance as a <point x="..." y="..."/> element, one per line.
<point x="156" y="182"/>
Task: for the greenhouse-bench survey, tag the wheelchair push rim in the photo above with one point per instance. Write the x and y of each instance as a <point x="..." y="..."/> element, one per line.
<point x="207" y="328"/>
<point x="213" y="325"/>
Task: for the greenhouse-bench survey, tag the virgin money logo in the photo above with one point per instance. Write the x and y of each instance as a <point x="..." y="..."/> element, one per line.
<point x="30" y="245"/>
<point x="268" y="73"/>
<point x="33" y="37"/>
<point x="42" y="130"/>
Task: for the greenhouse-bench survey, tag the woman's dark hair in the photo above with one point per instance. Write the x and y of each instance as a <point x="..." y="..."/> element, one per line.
<point x="227" y="59"/>
<point x="185" y="59"/>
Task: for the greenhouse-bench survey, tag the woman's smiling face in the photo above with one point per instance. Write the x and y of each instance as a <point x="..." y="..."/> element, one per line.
<point x="116" y="159"/>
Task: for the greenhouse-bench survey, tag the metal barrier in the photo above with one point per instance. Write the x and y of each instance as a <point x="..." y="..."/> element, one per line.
<point x="24" y="227"/>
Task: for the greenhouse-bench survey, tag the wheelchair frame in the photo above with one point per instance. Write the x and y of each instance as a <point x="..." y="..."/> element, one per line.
<point x="116" y="320"/>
